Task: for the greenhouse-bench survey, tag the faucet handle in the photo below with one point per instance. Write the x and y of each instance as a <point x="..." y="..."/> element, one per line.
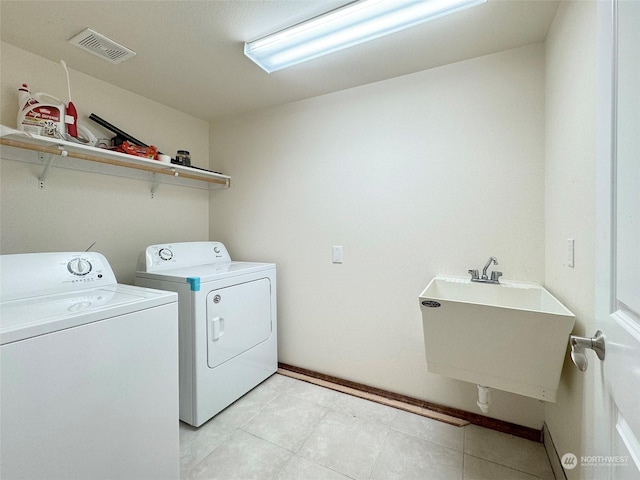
<point x="495" y="276"/>
<point x="474" y="274"/>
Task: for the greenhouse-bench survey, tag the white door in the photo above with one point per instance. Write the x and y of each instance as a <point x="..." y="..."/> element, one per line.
<point x="617" y="378"/>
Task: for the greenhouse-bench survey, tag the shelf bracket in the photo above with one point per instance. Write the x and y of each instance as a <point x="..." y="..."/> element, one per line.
<point x="154" y="185"/>
<point x="48" y="158"/>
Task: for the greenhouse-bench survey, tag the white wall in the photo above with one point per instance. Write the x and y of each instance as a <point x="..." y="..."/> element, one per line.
<point x="77" y="208"/>
<point x="423" y="174"/>
<point x="570" y="208"/>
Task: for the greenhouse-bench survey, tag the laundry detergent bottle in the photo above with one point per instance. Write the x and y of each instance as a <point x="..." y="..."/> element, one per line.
<point x="40" y="113"/>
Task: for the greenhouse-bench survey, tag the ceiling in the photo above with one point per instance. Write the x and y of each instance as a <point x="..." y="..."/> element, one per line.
<point x="190" y="53"/>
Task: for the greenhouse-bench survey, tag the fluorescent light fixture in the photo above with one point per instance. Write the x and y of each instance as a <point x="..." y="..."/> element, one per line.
<point x="345" y="27"/>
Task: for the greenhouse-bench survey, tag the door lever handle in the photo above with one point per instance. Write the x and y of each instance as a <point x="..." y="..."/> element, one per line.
<point x="216" y="328"/>
<point x="578" y="345"/>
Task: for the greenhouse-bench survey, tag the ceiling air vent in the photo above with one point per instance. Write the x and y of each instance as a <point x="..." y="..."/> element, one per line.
<point x="103" y="47"/>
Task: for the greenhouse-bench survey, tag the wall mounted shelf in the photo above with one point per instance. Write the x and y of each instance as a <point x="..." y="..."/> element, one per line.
<point x="52" y="152"/>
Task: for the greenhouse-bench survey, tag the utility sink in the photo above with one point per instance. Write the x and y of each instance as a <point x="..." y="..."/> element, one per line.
<point x="511" y="336"/>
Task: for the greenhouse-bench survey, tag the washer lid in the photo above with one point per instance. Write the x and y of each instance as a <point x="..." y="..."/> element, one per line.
<point x="207" y="273"/>
<point x="39" y="315"/>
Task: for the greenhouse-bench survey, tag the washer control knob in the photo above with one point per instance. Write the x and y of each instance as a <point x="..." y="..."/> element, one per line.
<point x="165" y="254"/>
<point x="216" y="249"/>
<point x="79" y="266"/>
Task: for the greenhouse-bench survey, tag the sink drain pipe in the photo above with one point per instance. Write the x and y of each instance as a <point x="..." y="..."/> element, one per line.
<point x="484" y="398"/>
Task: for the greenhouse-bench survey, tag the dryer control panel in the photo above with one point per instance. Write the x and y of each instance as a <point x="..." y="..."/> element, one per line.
<point x="184" y="254"/>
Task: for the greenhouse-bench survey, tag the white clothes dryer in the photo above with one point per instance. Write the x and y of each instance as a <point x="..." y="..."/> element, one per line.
<point x="89" y="372"/>
<point x="228" y="323"/>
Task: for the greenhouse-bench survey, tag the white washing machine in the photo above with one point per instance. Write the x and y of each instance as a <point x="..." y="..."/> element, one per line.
<point x="228" y="324"/>
<point x="89" y="372"/>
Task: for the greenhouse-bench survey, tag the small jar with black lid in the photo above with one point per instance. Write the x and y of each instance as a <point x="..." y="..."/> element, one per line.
<point x="183" y="158"/>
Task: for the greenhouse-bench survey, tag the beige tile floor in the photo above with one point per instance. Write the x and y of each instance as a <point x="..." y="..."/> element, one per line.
<point x="286" y="429"/>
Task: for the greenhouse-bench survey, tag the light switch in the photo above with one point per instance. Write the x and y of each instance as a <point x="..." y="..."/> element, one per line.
<point x="337" y="254"/>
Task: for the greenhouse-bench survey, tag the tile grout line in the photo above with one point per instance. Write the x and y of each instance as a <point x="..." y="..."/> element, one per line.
<point x="464" y="449"/>
<point x="343" y="412"/>
<point x="279" y="392"/>
<point x="535" y="475"/>
<point x="311" y="433"/>
<point x="386" y="437"/>
<point x="441" y="445"/>
<point x="234" y="429"/>
<point x="552" y="454"/>
<point x="275" y="445"/>
<point x="376" y="398"/>
<point x="295" y="453"/>
<point x="286" y="389"/>
<point x="426" y="408"/>
<point x="192" y="467"/>
<point x="389" y="427"/>
<point x="331" y="409"/>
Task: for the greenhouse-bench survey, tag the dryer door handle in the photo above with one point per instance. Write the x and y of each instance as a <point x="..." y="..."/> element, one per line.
<point x="216" y="328"/>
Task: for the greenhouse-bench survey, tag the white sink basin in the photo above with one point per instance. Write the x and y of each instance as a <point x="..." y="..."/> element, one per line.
<point x="512" y="336"/>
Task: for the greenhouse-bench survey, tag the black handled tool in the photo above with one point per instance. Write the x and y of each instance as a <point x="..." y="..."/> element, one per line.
<point x="121" y="136"/>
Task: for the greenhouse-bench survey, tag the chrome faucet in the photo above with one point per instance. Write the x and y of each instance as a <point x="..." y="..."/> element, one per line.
<point x="491" y="260"/>
<point x="495" y="276"/>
